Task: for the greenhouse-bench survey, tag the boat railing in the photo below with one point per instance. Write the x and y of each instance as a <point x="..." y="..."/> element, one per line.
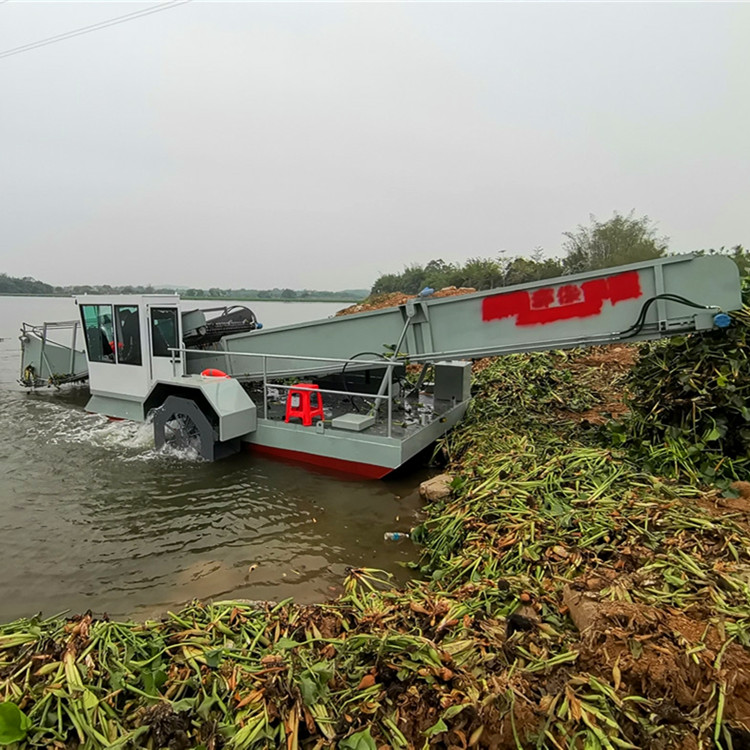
<point x="45" y="358"/>
<point x="385" y="391"/>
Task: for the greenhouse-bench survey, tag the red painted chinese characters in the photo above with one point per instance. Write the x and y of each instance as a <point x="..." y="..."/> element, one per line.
<point x="549" y="305"/>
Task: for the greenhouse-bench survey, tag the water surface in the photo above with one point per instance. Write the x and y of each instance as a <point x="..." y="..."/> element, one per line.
<point x="92" y="517"/>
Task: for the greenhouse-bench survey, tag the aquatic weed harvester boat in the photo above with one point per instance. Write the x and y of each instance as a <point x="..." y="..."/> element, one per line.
<point x="334" y="392"/>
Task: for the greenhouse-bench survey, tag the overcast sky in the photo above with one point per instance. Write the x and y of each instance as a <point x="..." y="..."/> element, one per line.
<point x="320" y="145"/>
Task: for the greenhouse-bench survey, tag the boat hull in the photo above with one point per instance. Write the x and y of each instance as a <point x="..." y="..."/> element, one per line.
<point x="328" y="463"/>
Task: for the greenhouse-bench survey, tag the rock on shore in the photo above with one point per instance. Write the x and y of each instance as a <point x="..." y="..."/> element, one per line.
<point x="437" y="488"/>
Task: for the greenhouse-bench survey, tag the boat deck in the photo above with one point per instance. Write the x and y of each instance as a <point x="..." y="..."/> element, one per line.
<point x="409" y="416"/>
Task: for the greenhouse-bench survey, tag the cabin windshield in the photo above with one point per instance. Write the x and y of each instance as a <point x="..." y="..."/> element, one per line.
<point x="100" y="333"/>
<point x="129" y="335"/>
<point x="163" y="331"/>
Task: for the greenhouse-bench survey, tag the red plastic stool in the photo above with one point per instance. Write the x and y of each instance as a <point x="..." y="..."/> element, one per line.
<point x="298" y="403"/>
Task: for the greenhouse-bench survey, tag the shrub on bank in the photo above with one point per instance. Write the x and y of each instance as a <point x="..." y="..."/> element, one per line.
<point x="690" y="405"/>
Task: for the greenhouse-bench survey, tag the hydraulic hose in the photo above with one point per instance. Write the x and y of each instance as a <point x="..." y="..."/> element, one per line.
<point x="637" y="327"/>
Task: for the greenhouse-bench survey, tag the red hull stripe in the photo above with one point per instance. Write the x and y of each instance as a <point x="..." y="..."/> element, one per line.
<point x="336" y="464"/>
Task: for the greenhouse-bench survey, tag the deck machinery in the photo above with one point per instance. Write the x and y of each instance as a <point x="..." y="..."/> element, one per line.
<point x="132" y="349"/>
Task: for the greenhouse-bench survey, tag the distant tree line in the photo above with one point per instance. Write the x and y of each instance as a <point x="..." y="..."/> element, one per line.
<point x="27" y="285"/>
<point x="602" y="244"/>
<point x="276" y="294"/>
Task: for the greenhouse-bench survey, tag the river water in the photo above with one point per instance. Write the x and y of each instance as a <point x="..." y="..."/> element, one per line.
<point x="92" y="517"/>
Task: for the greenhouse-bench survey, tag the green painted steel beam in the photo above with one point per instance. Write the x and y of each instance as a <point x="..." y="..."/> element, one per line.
<point x="591" y="308"/>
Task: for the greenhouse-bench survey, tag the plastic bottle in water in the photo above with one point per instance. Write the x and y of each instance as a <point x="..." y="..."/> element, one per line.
<point x="395" y="536"/>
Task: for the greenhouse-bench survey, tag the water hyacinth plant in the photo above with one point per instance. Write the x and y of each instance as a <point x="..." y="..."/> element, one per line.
<point x="569" y="595"/>
<point x="690" y="405"/>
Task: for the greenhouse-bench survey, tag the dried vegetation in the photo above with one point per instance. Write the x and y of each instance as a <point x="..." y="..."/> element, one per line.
<point x="393" y="299"/>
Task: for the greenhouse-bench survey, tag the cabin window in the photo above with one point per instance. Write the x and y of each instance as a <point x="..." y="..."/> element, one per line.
<point x="163" y="331"/>
<point x="100" y="332"/>
<point x="129" y="335"/>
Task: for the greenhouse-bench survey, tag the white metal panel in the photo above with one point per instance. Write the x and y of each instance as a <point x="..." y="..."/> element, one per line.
<point x="127" y="380"/>
<point x="164" y="367"/>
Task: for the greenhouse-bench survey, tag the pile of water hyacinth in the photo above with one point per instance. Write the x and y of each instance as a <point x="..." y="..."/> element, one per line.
<point x="567" y="597"/>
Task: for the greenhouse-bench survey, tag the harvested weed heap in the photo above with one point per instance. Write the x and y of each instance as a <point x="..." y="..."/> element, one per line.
<point x="691" y="405"/>
<point x="570" y="600"/>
